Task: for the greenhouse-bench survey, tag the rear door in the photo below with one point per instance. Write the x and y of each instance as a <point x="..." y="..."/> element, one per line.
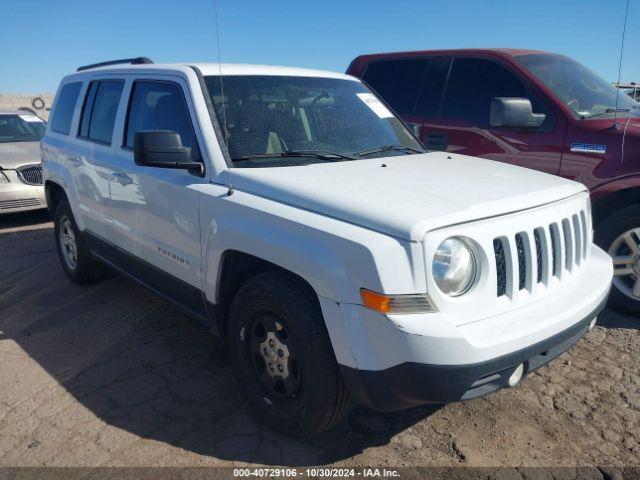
<point x="91" y="161"/>
<point x="462" y="118"/>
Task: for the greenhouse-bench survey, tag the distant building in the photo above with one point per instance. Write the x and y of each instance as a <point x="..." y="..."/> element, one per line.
<point x="39" y="104"/>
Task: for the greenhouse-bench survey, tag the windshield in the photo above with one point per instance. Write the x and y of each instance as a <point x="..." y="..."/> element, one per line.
<point x="584" y="92"/>
<point x="21" y="128"/>
<point x="285" y="120"/>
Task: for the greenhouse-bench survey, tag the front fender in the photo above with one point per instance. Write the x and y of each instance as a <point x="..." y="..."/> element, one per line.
<point x="614" y="186"/>
<point x="334" y="257"/>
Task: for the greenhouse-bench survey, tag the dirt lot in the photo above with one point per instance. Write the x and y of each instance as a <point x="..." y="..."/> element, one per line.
<point x="112" y="375"/>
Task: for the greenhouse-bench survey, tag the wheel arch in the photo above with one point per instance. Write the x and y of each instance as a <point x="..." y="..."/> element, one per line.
<point x="236" y="267"/>
<point x="54" y="192"/>
<point x="605" y="203"/>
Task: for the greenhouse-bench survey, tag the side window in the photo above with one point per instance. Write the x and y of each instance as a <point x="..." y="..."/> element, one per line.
<point x="64" y="106"/>
<point x="99" y="110"/>
<point x="160" y="106"/>
<point x="474" y="82"/>
<point x="432" y="87"/>
<point x="397" y="82"/>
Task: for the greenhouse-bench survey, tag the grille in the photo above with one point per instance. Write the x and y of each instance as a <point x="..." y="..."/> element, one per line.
<point x="555" y="248"/>
<point x="20" y="203"/>
<point x="560" y="247"/>
<point x="568" y="246"/>
<point x="31" y="175"/>
<point x="501" y="266"/>
<point x="536" y="236"/>
<point x="522" y="262"/>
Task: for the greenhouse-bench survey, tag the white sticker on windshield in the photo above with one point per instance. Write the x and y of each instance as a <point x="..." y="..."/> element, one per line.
<point x="374" y="104"/>
<point x="31" y="118"/>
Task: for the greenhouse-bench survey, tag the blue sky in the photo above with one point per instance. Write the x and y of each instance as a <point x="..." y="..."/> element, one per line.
<point x="42" y="40"/>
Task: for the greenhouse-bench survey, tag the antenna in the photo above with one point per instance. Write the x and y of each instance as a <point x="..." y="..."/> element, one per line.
<point x="224" y="109"/>
<point x="624" y="30"/>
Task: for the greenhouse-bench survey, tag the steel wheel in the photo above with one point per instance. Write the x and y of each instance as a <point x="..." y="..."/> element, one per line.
<point x="625" y="251"/>
<point x="274" y="356"/>
<point x="68" y="243"/>
<point x="282" y="355"/>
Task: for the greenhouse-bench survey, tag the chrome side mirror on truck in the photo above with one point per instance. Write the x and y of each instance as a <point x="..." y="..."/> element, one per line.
<point x="514" y="112"/>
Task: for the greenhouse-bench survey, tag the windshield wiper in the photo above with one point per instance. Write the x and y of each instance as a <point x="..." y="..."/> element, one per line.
<point x="387" y="148"/>
<point x="605" y="112"/>
<point x="320" y="154"/>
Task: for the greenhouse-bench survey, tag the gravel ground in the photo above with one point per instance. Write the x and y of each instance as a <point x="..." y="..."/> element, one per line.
<point x="112" y="375"/>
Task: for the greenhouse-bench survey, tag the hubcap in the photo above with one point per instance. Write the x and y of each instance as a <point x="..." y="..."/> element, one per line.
<point x="68" y="243"/>
<point x="625" y="251"/>
<point x="274" y="357"/>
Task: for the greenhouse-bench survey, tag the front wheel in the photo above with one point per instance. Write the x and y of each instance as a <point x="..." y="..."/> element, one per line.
<point x="283" y="358"/>
<point x="619" y="235"/>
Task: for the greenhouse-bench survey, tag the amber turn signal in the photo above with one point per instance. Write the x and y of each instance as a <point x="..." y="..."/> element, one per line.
<point x="397" y="304"/>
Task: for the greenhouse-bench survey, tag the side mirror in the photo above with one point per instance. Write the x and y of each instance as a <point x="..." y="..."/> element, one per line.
<point x="163" y="149"/>
<point x="514" y="112"/>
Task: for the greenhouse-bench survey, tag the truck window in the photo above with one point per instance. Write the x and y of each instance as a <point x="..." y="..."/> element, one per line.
<point x="474" y="82"/>
<point x="397" y="82"/>
<point x="160" y="106"/>
<point x="432" y="88"/>
<point x="99" y="110"/>
<point x="584" y="92"/>
<point x="65" y="104"/>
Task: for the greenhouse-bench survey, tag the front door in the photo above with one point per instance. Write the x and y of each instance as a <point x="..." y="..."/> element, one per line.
<point x="155" y="211"/>
<point x="460" y="123"/>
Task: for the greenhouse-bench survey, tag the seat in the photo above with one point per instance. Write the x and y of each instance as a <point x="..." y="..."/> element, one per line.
<point x="170" y="114"/>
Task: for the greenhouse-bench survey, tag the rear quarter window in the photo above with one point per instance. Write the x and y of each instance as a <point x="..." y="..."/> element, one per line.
<point x="65" y="104"/>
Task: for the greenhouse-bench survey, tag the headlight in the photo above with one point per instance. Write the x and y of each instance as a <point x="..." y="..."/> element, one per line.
<point x="3" y="177"/>
<point x="454" y="266"/>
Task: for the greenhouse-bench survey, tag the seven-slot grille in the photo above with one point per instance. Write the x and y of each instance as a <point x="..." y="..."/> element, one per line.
<point x="31" y="175"/>
<point x="553" y="249"/>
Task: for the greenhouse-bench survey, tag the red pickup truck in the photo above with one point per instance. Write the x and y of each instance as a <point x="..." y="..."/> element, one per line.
<point x="535" y="109"/>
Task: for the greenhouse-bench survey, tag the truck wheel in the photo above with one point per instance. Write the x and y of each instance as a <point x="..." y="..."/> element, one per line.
<point x="619" y="235"/>
<point x="75" y="257"/>
<point x="283" y="358"/>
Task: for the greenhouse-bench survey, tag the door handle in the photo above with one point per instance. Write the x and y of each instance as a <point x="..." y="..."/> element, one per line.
<point x="122" y="178"/>
<point x="436" y="141"/>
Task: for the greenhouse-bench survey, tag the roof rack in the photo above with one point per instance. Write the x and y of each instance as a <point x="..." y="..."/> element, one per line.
<point x="130" y="61"/>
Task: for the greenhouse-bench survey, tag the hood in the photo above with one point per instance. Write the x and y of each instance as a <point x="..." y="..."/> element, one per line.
<point x="17" y="154"/>
<point x="407" y="196"/>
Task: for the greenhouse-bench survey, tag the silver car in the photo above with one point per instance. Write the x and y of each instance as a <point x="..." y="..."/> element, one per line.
<point x="20" y="168"/>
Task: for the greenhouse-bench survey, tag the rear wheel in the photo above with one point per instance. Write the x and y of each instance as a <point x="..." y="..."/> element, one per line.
<point x="75" y="257"/>
<point x="619" y="235"/>
<point x="283" y="357"/>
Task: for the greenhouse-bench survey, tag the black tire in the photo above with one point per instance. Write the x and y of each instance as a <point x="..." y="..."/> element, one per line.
<point x="86" y="269"/>
<point x="315" y="396"/>
<point x="606" y="234"/>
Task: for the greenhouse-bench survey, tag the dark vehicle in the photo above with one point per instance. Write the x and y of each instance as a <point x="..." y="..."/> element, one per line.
<point x="535" y="109"/>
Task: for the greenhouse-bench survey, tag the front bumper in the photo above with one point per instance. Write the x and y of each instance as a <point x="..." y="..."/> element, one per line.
<point x="410" y="384"/>
<point x="16" y="196"/>
<point x="399" y="361"/>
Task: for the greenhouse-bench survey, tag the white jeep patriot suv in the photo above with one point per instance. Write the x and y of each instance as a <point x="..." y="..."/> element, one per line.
<point x="298" y="218"/>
